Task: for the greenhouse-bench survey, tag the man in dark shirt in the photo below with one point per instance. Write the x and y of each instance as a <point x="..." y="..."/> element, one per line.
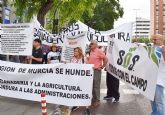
<point x="37" y="54"/>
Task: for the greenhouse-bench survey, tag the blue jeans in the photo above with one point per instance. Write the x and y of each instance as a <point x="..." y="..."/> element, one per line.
<point x="158" y="103"/>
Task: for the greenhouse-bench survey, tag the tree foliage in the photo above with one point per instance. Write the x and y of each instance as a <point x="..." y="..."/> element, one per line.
<point x="99" y="14"/>
<point x="105" y="13"/>
<point x="69" y="9"/>
<point x="141" y="40"/>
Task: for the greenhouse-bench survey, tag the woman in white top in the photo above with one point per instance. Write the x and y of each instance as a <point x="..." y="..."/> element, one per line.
<point x="79" y="58"/>
<point x="53" y="55"/>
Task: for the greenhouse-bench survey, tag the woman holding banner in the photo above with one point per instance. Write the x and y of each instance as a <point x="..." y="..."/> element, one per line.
<point x="77" y="58"/>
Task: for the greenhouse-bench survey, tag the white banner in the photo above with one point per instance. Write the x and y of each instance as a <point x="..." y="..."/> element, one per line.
<point x="16" y="39"/>
<point x="135" y="65"/>
<point x="62" y="83"/>
<point x="71" y="43"/>
<point x="124" y="32"/>
<point x="46" y="37"/>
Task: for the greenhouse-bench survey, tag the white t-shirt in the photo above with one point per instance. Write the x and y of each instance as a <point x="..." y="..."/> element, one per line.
<point x="54" y="57"/>
<point x="161" y="73"/>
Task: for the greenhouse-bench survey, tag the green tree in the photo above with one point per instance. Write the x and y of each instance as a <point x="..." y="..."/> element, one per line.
<point x="141" y="40"/>
<point x="105" y="13"/>
<point x="69" y="9"/>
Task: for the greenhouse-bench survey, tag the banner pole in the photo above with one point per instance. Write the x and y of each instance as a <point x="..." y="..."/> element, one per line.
<point x="43" y="104"/>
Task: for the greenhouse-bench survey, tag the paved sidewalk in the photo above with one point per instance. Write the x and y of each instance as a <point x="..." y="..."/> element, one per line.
<point x="131" y="103"/>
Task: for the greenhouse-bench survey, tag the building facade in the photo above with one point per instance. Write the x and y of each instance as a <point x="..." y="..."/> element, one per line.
<point x="141" y="28"/>
<point x="157" y="11"/>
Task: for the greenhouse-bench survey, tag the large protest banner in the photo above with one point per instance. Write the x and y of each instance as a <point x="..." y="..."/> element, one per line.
<point x="64" y="84"/>
<point x="135" y="65"/>
<point x="16" y="39"/>
<point x="46" y="37"/>
<point x="73" y="30"/>
<point x="124" y="32"/>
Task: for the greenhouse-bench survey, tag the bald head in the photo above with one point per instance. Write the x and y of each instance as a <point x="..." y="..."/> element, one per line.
<point x="157" y="39"/>
<point x="93" y="44"/>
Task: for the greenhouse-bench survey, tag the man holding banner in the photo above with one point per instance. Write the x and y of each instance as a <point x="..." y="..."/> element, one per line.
<point x="37" y="54"/>
<point x="98" y="58"/>
<point x="112" y="88"/>
<point x="158" y="107"/>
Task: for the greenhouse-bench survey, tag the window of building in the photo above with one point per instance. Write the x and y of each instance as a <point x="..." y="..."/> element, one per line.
<point x="163" y="17"/>
<point x="157" y="2"/>
<point x="144" y="32"/>
<point x="157" y="8"/>
<point x="156" y="26"/>
<point x="157" y="18"/>
<point x="142" y="28"/>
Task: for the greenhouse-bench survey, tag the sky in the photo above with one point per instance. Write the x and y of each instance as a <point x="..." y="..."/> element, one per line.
<point x="143" y="7"/>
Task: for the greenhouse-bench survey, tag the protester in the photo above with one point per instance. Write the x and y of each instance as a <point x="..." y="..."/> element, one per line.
<point x="37" y="54"/>
<point x="53" y="55"/>
<point x="77" y="58"/>
<point x="98" y="58"/>
<point x="112" y="88"/>
<point x="158" y="107"/>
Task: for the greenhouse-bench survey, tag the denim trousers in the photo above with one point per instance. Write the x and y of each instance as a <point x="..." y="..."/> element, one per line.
<point x="158" y="107"/>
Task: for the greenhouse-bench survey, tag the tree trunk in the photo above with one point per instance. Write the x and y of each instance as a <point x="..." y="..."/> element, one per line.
<point x="43" y="11"/>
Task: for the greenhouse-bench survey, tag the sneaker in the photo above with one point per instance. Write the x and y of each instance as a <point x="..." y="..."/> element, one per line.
<point x="116" y="101"/>
<point x="75" y="108"/>
<point x="87" y="111"/>
<point x="107" y="98"/>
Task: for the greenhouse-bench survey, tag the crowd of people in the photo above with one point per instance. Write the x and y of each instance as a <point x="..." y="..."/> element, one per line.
<point x="97" y="57"/>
